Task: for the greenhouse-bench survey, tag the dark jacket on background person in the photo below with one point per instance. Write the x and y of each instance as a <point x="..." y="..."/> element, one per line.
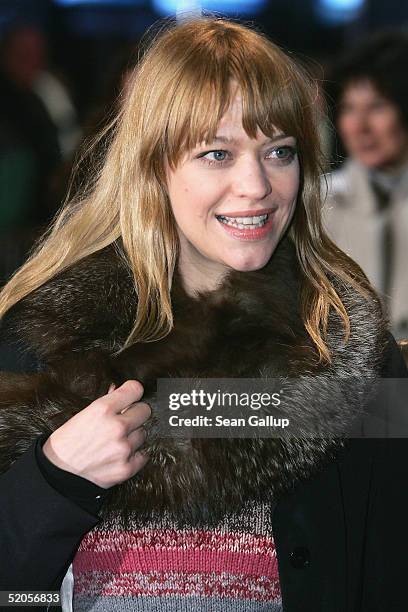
<point x="339" y="507"/>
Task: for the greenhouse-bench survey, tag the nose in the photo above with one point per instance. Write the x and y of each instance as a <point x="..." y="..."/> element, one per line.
<point x="251" y="180"/>
<point x="359" y="122"/>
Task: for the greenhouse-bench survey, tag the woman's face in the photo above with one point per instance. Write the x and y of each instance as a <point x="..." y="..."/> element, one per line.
<point x="232" y="200"/>
<point x="371" y="128"/>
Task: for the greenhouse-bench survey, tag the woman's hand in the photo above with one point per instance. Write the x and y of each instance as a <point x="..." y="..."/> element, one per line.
<point x="100" y="443"/>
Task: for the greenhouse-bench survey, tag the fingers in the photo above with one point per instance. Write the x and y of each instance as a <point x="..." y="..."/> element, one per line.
<point x="124" y="396"/>
<point x="137" y="438"/>
<point x="123" y="401"/>
<point x="137" y="458"/>
<point x="138" y="461"/>
<point x="135" y="416"/>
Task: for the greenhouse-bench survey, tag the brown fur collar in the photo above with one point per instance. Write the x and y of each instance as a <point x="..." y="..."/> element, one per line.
<point x="250" y="327"/>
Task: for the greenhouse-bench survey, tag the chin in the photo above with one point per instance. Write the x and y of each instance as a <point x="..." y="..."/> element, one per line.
<point x="250" y="264"/>
<point x="374" y="162"/>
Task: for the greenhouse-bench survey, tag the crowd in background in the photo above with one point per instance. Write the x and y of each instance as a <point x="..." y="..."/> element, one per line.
<point x="366" y="194"/>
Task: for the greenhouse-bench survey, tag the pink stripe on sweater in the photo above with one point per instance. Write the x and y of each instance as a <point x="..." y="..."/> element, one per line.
<point x="105" y="541"/>
<point x="182" y="560"/>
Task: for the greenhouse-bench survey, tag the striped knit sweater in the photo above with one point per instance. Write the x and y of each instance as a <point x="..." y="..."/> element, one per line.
<point x="158" y="567"/>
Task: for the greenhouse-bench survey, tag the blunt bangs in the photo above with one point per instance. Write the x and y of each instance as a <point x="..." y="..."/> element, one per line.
<point x="275" y="93"/>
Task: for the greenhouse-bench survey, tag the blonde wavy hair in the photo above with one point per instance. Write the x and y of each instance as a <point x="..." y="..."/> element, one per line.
<point x="177" y="95"/>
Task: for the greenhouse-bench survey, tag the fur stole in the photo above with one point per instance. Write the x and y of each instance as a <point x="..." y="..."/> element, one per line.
<point x="249" y="327"/>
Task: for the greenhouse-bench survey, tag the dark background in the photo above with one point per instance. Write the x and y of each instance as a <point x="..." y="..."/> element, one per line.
<point x="89" y="44"/>
<point x="85" y="36"/>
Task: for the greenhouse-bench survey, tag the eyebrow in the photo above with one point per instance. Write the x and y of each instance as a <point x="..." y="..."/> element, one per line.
<point x="227" y="140"/>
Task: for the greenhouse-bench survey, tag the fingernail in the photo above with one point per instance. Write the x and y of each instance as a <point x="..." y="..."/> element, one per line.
<point x="112" y="387"/>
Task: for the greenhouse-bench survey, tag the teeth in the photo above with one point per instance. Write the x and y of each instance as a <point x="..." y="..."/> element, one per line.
<point x="244" y="222"/>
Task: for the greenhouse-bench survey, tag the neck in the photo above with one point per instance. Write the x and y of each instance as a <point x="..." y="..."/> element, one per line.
<point x="199" y="276"/>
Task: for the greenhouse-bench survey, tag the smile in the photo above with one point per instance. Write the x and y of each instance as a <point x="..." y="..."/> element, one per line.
<point x="244" y="222"/>
<point x="247" y="228"/>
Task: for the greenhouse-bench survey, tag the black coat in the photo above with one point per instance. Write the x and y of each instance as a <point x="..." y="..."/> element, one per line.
<point x="341" y="533"/>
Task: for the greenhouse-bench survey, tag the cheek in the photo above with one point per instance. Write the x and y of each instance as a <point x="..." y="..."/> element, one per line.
<point x="388" y="127"/>
<point x="293" y="190"/>
<point x="296" y="184"/>
<point x="345" y="126"/>
<point x="180" y="194"/>
<point x="203" y="201"/>
<point x="289" y="211"/>
<point x="191" y="204"/>
<point x="290" y="183"/>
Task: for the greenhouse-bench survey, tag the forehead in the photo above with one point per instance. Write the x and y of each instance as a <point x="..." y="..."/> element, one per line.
<point x="230" y="127"/>
<point x="363" y="90"/>
<point x="233" y="115"/>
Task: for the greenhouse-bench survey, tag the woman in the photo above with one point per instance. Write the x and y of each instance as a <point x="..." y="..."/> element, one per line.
<point x="367" y="212"/>
<point x="206" y="208"/>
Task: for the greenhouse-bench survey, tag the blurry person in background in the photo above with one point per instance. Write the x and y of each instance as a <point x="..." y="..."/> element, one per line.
<point x="38" y="126"/>
<point x="29" y="147"/>
<point x="366" y="211"/>
<point x="105" y="107"/>
<point x="27" y="63"/>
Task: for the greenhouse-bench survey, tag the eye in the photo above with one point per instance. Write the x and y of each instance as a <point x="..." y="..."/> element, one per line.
<point x="219" y="157"/>
<point x="283" y="153"/>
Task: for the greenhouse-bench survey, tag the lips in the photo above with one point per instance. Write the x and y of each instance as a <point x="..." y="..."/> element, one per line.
<point x="246" y="213"/>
